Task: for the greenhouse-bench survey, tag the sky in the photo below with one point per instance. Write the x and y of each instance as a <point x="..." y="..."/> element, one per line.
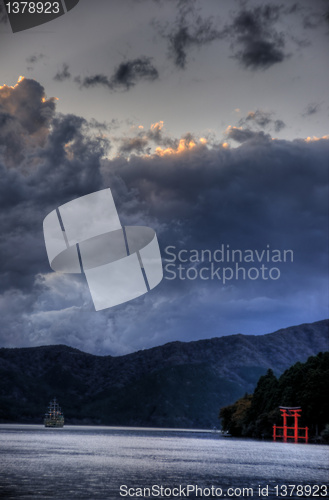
<point x="208" y="120"/>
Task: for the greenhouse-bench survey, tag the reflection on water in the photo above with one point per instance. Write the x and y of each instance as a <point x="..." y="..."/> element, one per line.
<point x="93" y="462"/>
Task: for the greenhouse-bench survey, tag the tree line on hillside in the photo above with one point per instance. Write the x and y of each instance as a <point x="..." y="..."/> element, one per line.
<point x="303" y="384"/>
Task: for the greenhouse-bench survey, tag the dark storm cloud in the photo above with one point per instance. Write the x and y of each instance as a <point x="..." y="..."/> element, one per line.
<point x="261" y="120"/>
<point x="142" y="141"/>
<point x="63" y="74"/>
<point x="241" y="135"/>
<point x="279" y="125"/>
<point x="212" y="185"/>
<point x="136" y="144"/>
<point x="314" y="19"/>
<point x="326" y="16"/>
<point x="260" y="117"/>
<point x="25" y="115"/>
<point x="102" y="126"/>
<point x="259" y="54"/>
<point x="27" y="104"/>
<point x="262" y="193"/>
<point x="189" y="30"/>
<point x="126" y="75"/>
<point x="184" y="37"/>
<point x="45" y="159"/>
<point x="93" y="81"/>
<point x="130" y="72"/>
<point x="311" y="109"/>
<point x="256" y="42"/>
<point x="159" y="138"/>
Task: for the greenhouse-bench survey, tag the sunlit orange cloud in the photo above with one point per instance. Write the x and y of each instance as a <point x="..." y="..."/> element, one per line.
<point x="230" y="127"/>
<point x="44" y="99"/>
<point x="20" y="78"/>
<point x="157" y="125"/>
<point x="314" y="138"/>
<point x="183" y="146"/>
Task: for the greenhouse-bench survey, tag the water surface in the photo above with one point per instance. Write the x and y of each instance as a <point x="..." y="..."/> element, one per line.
<point x="79" y="462"/>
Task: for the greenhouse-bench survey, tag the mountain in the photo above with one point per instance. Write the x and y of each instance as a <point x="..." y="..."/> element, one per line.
<point x="180" y="384"/>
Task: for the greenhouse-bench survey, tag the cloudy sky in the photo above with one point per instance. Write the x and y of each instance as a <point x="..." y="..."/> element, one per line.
<point x="209" y="122"/>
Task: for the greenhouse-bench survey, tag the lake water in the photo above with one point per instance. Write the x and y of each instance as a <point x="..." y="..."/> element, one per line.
<point x="79" y="462"/>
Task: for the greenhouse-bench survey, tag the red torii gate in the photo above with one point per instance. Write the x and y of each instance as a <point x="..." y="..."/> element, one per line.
<point x="292" y="412"/>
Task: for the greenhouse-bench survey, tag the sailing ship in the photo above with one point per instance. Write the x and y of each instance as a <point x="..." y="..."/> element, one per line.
<point x="54" y="416"/>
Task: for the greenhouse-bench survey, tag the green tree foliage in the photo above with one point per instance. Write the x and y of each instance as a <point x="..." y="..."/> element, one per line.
<point x="308" y="386"/>
<point x="265" y="396"/>
<point x="304" y="384"/>
<point x="233" y="416"/>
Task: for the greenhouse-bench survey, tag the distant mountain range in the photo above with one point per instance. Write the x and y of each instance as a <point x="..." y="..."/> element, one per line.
<point x="180" y="384"/>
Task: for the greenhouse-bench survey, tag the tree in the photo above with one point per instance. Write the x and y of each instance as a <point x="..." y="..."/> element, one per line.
<point x="233" y="416"/>
<point x="303" y="384"/>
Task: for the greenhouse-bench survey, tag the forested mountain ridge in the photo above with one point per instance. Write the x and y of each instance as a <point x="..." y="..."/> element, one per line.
<point x="304" y="385"/>
<point x="175" y="385"/>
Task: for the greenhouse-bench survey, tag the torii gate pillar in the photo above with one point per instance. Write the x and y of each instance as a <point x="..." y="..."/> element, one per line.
<point x="287" y="412"/>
